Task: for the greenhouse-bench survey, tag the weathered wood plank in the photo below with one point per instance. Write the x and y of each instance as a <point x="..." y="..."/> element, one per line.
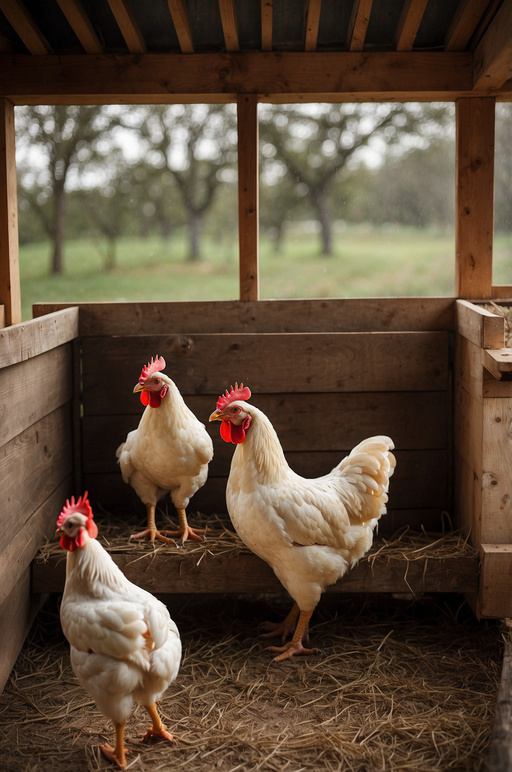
<point x="329" y="315"/>
<point x="16" y="556"/>
<point x="480" y="326"/>
<point x="414" y="420"/>
<point x="246" y="573"/>
<point x="293" y="362"/>
<point x="10" y="296"/>
<point x="248" y="196"/>
<point x="32" y="466"/>
<point x="500" y="759"/>
<point x="34" y="388"/>
<point x="16" y="616"/>
<point x="496" y="470"/>
<point x="29" y="339"/>
<point x="495" y="598"/>
<point x="474" y="197"/>
<point x="165" y="78"/>
<point x="492" y="61"/>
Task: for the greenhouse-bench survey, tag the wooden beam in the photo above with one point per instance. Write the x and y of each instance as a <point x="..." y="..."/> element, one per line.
<point x="181" y="22"/>
<point x="278" y="77"/>
<point x="127" y="23"/>
<point x="500" y="757"/>
<point x="358" y="25"/>
<point x="312" y="24"/>
<point x="267" y="14"/>
<point x="408" y="26"/>
<point x="10" y="293"/>
<point x="229" y="25"/>
<point x="25" y="27"/>
<point x="481" y="327"/>
<point x="464" y="24"/>
<point x="17" y="344"/>
<point x="474" y="197"/>
<point x="495" y="597"/>
<point x="81" y="25"/>
<point x="493" y="55"/>
<point x="248" y="195"/>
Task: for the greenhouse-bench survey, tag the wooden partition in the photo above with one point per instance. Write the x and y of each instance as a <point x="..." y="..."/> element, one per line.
<point x="327" y="373"/>
<point x="483" y="450"/>
<point x="36" y="458"/>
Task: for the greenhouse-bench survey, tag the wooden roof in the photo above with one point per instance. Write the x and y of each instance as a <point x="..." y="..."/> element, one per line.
<point x="281" y="50"/>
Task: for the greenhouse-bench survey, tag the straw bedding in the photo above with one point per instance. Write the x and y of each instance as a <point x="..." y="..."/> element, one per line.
<point x="399" y="686"/>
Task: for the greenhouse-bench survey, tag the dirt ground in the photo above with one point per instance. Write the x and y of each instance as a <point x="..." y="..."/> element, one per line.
<point x="400" y="685"/>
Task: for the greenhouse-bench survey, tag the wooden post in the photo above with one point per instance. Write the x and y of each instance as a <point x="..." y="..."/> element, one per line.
<point x="248" y="188"/>
<point x="10" y="296"/>
<point x="474" y="197"/>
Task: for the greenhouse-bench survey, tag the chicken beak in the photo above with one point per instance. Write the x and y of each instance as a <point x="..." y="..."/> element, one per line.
<point x="58" y="534"/>
<point x="217" y="415"/>
<point x="138" y="387"/>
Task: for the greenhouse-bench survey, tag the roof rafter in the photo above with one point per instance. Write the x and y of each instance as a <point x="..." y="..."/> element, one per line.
<point x="25" y="27"/>
<point x="408" y="26"/>
<point x="492" y="63"/>
<point x="81" y="25"/>
<point x="229" y="25"/>
<point x="267" y="15"/>
<point x="312" y="24"/>
<point x="182" y="25"/>
<point x="358" y="25"/>
<point x="126" y="22"/>
<point x="464" y="23"/>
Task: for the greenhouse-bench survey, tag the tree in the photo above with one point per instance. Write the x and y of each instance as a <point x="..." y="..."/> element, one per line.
<point x="195" y="143"/>
<point x="52" y="140"/>
<point x="316" y="142"/>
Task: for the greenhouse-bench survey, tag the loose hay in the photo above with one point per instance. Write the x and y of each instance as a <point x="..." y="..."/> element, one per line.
<point x="399" y="687"/>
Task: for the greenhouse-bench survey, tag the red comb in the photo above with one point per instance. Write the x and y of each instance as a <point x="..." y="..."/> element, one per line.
<point x="83" y="507"/>
<point x="154" y="366"/>
<point x="239" y="392"/>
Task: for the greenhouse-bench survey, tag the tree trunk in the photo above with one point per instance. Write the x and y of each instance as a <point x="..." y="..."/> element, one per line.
<point x="324" y="220"/>
<point x="110" y="256"/>
<point x="194" y="227"/>
<point x="58" y="233"/>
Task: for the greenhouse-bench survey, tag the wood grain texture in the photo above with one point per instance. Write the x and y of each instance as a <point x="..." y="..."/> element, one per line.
<point x="479" y="325"/>
<point x="17" y="613"/>
<point x="474" y="197"/>
<point x="289" y="363"/>
<point x="248" y="196"/>
<point x="33" y="388"/>
<point x="277" y="77"/>
<point x="32" y="466"/>
<point x="246" y="573"/>
<point x="10" y="296"/>
<point x="328" y="315"/>
<point x="500" y="757"/>
<point x="495" y="597"/>
<point x="29" y="339"/>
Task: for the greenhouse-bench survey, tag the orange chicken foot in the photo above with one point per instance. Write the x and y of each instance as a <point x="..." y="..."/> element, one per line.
<point x="185" y="531"/>
<point x="294" y="647"/>
<point x="157" y="729"/>
<point x="117" y="754"/>
<point x="283" y="629"/>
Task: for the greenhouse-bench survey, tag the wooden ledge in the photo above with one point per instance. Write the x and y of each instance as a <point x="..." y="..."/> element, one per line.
<point x="169" y="570"/>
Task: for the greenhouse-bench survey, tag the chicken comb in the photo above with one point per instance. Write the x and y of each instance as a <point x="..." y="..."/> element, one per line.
<point x="84" y="508"/>
<point x="239" y="392"/>
<point x="156" y="365"/>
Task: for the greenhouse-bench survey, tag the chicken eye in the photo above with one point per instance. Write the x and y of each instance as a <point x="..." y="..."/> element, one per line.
<point x="156" y="381"/>
<point x="236" y="410"/>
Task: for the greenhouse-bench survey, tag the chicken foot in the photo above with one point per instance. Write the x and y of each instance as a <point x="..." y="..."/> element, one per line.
<point x="117" y="754"/>
<point x="283" y="629"/>
<point x="294" y="647"/>
<point x="185" y="530"/>
<point x="157" y="729"/>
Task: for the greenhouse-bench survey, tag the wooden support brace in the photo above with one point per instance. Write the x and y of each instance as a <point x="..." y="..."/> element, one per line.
<point x="10" y="294"/>
<point x="495" y="596"/>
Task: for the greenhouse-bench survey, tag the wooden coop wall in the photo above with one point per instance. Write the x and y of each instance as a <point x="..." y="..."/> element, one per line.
<point x="327" y="373"/>
<point x="36" y="459"/>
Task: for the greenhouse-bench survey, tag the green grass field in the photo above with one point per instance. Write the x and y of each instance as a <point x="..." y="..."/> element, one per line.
<point x="367" y="262"/>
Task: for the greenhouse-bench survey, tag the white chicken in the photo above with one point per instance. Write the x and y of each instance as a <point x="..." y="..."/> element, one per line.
<point x="168" y="452"/>
<point x="124" y="645"/>
<point x="310" y="531"/>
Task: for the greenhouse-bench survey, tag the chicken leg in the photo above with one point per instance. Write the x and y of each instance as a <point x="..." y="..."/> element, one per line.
<point x="294" y="647"/>
<point x="157" y="729"/>
<point x="117" y="754"/>
<point x="185" y="530"/>
<point x="283" y="629"/>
